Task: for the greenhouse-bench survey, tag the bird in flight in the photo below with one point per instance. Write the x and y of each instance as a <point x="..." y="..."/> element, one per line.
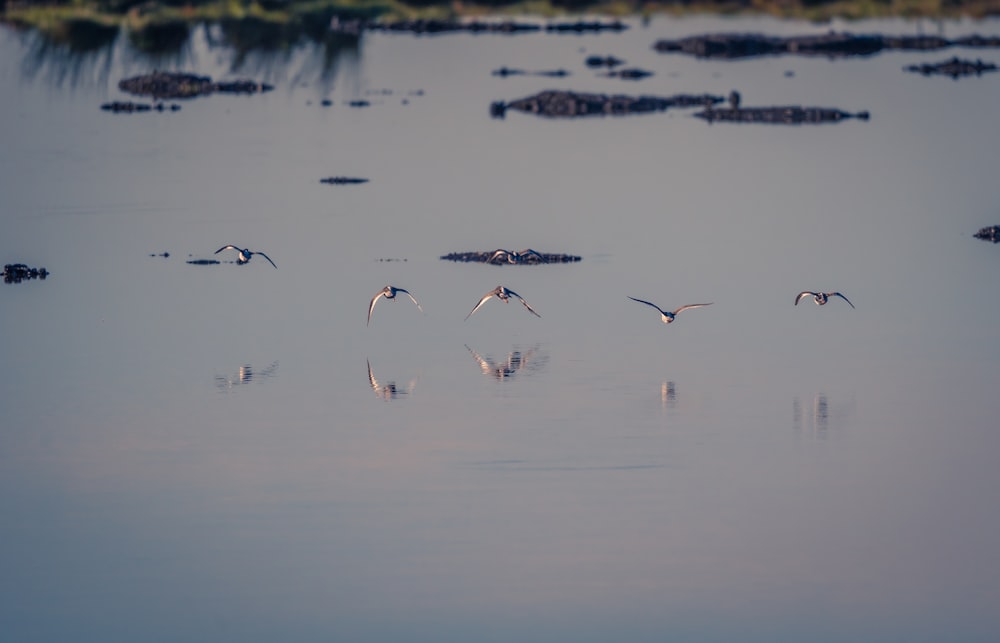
<point x="504" y="294"/>
<point x="389" y="292"/>
<point x="668" y="316"/>
<point x="820" y="297"/>
<point x="244" y="255"/>
<point x="508" y="256"/>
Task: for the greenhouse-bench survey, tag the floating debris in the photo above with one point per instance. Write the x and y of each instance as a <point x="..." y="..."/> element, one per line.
<point x="178" y="85"/>
<point x="955" y="67"/>
<point x="128" y="107"/>
<point x="603" y="61"/>
<point x="565" y="104"/>
<point x="342" y="180"/>
<point x="832" y="44"/>
<point x="163" y="254"/>
<point x="503" y="72"/>
<point x="526" y="257"/>
<point x="781" y="115"/>
<point x="15" y="273"/>
<point x="989" y="233"/>
<point x="204" y="262"/>
<point x="631" y="73"/>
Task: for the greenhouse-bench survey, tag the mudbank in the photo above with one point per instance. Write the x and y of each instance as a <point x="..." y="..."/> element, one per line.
<point x="502" y="257"/>
<point x="446" y="26"/>
<point x="128" y="107"/>
<point x="15" y="273"/>
<point x="565" y="104"/>
<point x="780" y="115"/>
<point x="163" y="84"/>
<point x="954" y="67"/>
<point x="990" y="233"/>
<point x="833" y="44"/>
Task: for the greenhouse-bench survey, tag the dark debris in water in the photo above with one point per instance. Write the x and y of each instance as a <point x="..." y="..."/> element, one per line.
<point x="163" y="84"/>
<point x="525" y="257"/>
<point x="832" y="44"/>
<point x="343" y="180"/>
<point x="954" y="67"/>
<point x="129" y="107"/>
<point x="567" y="104"/>
<point x="989" y="233"/>
<point x="780" y="115"/>
<point x="15" y="273"/>
<point x="204" y="262"/>
<point x="504" y="72"/>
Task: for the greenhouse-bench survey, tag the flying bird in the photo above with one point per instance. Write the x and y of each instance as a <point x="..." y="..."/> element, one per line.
<point x="667" y="316"/>
<point x="389" y="292"/>
<point x="820" y="297"/>
<point x="513" y="257"/>
<point x="244" y="255"/>
<point x="504" y="294"/>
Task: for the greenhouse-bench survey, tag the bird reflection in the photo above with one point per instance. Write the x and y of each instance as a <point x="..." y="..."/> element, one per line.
<point x="668" y="395"/>
<point x="388" y="390"/>
<point x="819" y="415"/>
<point x="516" y="361"/>
<point x="245" y="375"/>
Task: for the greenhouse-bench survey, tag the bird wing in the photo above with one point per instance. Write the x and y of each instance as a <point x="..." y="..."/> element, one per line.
<point x="837" y="294"/>
<point x="692" y="306"/>
<point x="804" y="293"/>
<point x="643" y="301"/>
<point x="481" y="302"/>
<point x="266" y="257"/>
<point x="501" y="252"/>
<point x="371" y="378"/>
<point x="229" y="247"/>
<point x="530" y="309"/>
<point x="371" y="306"/>
<point x="411" y="298"/>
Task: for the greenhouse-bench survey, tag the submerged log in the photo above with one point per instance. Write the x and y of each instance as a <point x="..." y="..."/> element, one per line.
<point x="566" y="104"/>
<point x="955" y="67"/>
<point x="780" y="115"/>
<point x="833" y="44"/>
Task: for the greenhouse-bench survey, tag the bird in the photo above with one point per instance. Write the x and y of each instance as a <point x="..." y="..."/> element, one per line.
<point x="512" y="257"/>
<point x="244" y="255"/>
<point x="504" y="294"/>
<point x="666" y="316"/>
<point x="820" y="297"/>
<point x="389" y="292"/>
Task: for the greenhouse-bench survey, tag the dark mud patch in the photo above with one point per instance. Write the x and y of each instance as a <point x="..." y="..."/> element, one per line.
<point x="954" y="67"/>
<point x="176" y="85"/>
<point x="567" y="104"/>
<point x="15" y="273"/>
<point x="989" y="233"/>
<point x="779" y="115"/>
<point x="343" y="180"/>
<point x="522" y="258"/>
<point x="832" y="45"/>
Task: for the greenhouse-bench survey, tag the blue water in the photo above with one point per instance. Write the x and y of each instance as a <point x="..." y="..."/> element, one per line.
<point x="201" y="453"/>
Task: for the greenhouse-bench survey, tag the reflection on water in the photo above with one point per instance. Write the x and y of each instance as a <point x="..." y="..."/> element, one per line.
<point x="529" y="361"/>
<point x="83" y="52"/>
<point x="388" y="389"/>
<point x="245" y="375"/>
<point x="668" y="395"/>
<point x="818" y="416"/>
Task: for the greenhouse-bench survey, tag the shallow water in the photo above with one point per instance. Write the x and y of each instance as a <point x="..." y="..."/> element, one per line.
<point x="229" y="453"/>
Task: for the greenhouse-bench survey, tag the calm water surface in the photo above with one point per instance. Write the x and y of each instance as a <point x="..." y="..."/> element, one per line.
<point x="228" y="453"/>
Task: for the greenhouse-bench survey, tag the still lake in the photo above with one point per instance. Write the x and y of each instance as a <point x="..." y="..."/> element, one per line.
<point x="228" y="452"/>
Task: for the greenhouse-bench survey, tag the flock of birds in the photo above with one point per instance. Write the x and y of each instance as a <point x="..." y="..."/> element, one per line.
<point x="504" y="293"/>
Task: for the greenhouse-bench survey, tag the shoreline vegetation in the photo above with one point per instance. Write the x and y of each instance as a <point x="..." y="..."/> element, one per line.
<point x="141" y="14"/>
<point x="163" y="27"/>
